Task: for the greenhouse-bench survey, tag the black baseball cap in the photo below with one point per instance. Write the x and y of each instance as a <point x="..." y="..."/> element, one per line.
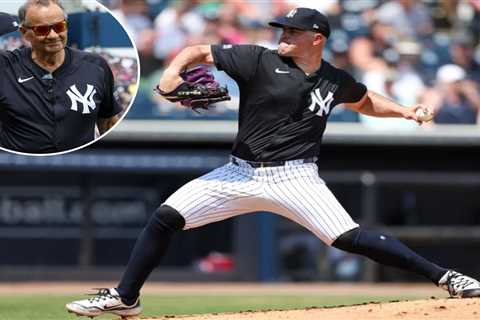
<point x="8" y="23"/>
<point x="304" y="19"/>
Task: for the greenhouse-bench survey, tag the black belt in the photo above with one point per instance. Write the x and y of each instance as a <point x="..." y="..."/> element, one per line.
<point x="255" y="164"/>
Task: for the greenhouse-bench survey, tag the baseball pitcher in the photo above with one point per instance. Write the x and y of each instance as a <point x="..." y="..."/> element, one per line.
<point x="286" y="97"/>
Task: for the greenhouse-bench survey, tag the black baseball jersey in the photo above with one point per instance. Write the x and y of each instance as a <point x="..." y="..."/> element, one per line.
<point x="42" y="112"/>
<point x="283" y="112"/>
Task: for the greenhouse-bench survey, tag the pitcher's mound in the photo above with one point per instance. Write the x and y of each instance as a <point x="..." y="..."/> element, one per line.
<point x="434" y="309"/>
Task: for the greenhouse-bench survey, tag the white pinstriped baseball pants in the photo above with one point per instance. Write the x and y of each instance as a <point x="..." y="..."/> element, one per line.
<point x="294" y="191"/>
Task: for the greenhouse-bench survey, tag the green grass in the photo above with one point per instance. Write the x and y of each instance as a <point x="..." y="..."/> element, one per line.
<point x="51" y="307"/>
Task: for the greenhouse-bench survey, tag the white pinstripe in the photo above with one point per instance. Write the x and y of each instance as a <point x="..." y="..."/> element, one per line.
<point x="294" y="191"/>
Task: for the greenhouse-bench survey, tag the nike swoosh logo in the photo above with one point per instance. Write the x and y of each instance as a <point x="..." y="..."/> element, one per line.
<point x="107" y="307"/>
<point x="20" y="80"/>
<point x="281" y="71"/>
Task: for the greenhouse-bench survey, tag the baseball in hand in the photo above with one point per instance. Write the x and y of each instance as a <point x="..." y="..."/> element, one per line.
<point x="424" y="115"/>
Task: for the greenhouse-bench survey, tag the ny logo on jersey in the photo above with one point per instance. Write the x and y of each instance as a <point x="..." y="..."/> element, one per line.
<point x="86" y="100"/>
<point x="291" y="13"/>
<point x="324" y="104"/>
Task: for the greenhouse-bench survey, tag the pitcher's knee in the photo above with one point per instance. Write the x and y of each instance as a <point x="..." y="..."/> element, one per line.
<point x="166" y="219"/>
<point x="348" y="241"/>
<point x="366" y="242"/>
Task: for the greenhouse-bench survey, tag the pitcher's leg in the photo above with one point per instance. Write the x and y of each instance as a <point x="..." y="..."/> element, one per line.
<point x="199" y="202"/>
<point x="217" y="195"/>
<point x="151" y="246"/>
<point x="388" y="251"/>
<point x="297" y="200"/>
<point x="318" y="210"/>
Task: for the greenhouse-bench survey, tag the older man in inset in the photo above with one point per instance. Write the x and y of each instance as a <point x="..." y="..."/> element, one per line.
<point x="51" y="96"/>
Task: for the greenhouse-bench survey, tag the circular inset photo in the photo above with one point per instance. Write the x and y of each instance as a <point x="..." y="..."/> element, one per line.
<point x="69" y="75"/>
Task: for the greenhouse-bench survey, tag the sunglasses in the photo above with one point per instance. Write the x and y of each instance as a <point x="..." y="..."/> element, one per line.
<point x="44" y="30"/>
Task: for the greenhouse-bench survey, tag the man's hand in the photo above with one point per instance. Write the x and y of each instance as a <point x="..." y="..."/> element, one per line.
<point x="419" y="113"/>
<point x="190" y="56"/>
<point x="169" y="81"/>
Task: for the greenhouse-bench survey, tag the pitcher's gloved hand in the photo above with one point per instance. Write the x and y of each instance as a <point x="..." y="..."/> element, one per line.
<point x="198" y="91"/>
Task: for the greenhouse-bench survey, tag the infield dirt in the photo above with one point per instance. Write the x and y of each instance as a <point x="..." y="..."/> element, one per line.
<point x="434" y="309"/>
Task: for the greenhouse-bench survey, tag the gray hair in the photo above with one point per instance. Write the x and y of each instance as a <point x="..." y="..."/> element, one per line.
<point x="22" y="11"/>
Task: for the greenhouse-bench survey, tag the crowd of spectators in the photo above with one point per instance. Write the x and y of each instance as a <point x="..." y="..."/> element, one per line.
<point x="124" y="69"/>
<point x="409" y="50"/>
<point x="10" y="42"/>
<point x="125" y="73"/>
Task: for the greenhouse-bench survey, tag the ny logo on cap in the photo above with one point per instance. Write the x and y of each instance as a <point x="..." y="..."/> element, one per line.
<point x="291" y="13"/>
<point x="85" y="99"/>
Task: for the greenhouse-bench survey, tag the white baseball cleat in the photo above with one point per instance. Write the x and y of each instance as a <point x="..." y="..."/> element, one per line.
<point x="105" y="301"/>
<point x="459" y="285"/>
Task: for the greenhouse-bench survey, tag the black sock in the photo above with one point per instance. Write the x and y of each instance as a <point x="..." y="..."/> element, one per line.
<point x="151" y="246"/>
<point x="388" y="251"/>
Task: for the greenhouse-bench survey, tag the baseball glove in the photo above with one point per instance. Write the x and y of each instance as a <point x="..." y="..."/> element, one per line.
<point x="198" y="91"/>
